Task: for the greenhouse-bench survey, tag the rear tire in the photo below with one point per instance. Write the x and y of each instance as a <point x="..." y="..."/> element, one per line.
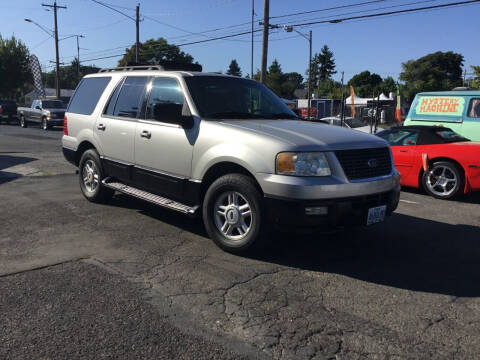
<point x="444" y="180"/>
<point x="233" y="214"/>
<point x="23" y="122"/>
<point x="91" y="175"/>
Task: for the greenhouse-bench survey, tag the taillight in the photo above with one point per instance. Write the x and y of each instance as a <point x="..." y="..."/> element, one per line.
<point x="65" y="126"/>
<point x="1" y="110"/>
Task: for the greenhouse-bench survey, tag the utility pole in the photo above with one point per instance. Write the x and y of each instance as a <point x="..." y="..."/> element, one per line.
<point x="137" y="44"/>
<point x="253" y="19"/>
<point x="266" y="18"/>
<point x="309" y="90"/>
<point x="342" y="108"/>
<point x="465" y="77"/>
<point x="57" y="77"/>
<point x="78" y="52"/>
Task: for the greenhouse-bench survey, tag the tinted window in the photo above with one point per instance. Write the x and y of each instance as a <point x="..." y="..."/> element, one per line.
<point x="128" y="102"/>
<point x="113" y="99"/>
<point x="87" y="94"/>
<point x="220" y="97"/>
<point x="474" y="108"/>
<point x="166" y="97"/>
<point x="450" y="135"/>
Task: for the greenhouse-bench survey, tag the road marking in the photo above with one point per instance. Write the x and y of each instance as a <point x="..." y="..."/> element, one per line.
<point x="408" y="201"/>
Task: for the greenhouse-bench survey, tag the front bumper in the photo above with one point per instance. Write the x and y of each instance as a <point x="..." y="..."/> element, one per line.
<point x="351" y="211"/>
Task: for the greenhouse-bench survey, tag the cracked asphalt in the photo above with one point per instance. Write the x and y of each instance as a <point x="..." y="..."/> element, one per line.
<point x="405" y="289"/>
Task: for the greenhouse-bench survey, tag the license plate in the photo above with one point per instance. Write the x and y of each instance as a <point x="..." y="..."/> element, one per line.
<point x="376" y="214"/>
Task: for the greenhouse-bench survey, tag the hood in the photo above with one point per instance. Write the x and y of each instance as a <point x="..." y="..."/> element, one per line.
<point x="306" y="135"/>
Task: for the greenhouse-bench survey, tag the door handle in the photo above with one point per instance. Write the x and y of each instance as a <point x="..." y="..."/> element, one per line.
<point x="101" y="127"/>
<point x="404" y="151"/>
<point x="146" y="134"/>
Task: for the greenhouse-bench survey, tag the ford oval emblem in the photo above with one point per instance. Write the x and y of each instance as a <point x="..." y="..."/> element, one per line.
<point x="372" y="163"/>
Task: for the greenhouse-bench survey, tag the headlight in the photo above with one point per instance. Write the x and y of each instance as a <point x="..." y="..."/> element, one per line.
<point x="303" y="164"/>
<point x="49" y="115"/>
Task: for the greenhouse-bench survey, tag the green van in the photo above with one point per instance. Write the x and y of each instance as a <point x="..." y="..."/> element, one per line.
<point x="458" y="110"/>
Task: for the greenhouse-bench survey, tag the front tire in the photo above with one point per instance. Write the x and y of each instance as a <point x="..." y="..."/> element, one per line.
<point x="232" y="213"/>
<point x="91" y="175"/>
<point x="45" y="125"/>
<point x="443" y="180"/>
<point x="23" y="122"/>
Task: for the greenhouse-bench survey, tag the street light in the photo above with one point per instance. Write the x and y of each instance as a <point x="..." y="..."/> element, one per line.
<point x="48" y="31"/>
<point x="289" y="28"/>
<point x="78" y="51"/>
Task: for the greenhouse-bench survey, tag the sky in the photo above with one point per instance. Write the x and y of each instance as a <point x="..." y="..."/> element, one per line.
<point x="379" y="45"/>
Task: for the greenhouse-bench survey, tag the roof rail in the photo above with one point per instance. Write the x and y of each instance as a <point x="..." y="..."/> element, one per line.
<point x="133" y="68"/>
<point x="163" y="65"/>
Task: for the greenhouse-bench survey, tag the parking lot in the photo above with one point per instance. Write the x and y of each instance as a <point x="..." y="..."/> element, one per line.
<point x="129" y="280"/>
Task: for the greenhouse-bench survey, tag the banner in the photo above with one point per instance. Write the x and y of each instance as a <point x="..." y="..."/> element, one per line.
<point x="37" y="75"/>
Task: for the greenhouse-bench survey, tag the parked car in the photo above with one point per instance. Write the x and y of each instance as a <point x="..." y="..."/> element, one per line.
<point x="458" y="110"/>
<point x="8" y="111"/>
<point x="349" y="122"/>
<point x="46" y="112"/>
<point x="226" y="148"/>
<point x="436" y="158"/>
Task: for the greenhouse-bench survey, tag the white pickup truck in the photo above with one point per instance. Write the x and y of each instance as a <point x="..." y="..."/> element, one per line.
<point x="46" y="112"/>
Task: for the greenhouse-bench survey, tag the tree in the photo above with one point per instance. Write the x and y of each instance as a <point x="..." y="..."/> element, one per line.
<point x="69" y="77"/>
<point x="15" y="74"/>
<point x="433" y="72"/>
<point x="282" y="84"/>
<point x="330" y="89"/>
<point x="366" y="84"/>
<point x="476" y="81"/>
<point x="234" y="69"/>
<point x="323" y="67"/>
<point x="388" y="85"/>
<point x="153" y="51"/>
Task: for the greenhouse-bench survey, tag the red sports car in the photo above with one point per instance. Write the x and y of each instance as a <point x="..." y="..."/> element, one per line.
<point x="436" y="158"/>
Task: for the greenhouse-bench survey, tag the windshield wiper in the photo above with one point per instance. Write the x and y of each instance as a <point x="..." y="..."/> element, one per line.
<point x="232" y="115"/>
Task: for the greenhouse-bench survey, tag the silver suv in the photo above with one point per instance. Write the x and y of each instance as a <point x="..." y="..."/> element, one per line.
<point x="225" y="147"/>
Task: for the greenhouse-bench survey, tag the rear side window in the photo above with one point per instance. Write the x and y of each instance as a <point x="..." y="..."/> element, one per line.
<point x="87" y="95"/>
<point x="474" y="108"/>
<point x="113" y="99"/>
<point x="130" y="97"/>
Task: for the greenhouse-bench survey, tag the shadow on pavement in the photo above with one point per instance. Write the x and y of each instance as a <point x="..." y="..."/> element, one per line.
<point x="7" y="161"/>
<point x="470" y="198"/>
<point x="405" y="252"/>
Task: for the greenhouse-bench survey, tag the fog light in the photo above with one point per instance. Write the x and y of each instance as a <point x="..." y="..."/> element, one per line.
<point x="316" y="210"/>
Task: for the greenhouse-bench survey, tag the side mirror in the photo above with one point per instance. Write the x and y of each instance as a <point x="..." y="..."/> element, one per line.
<point x="173" y="114"/>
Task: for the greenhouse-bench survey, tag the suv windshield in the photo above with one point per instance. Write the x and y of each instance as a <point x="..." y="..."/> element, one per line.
<point x="220" y="97"/>
<point x="53" y="104"/>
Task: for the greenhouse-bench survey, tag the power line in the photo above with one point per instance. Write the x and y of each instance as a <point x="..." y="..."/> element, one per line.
<point x="404" y="11"/>
<point x="328" y="9"/>
<point x="112" y="8"/>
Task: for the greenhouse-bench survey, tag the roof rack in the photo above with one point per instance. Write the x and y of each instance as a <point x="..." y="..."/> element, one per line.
<point x="162" y="66"/>
<point x="133" y="68"/>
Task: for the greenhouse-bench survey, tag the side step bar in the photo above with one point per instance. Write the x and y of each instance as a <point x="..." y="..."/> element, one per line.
<point x="147" y="196"/>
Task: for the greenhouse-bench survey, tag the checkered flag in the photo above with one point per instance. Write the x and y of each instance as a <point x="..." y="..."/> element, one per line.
<point x="37" y="76"/>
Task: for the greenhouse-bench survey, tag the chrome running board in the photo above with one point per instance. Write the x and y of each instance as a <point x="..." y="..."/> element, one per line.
<point x="147" y="196"/>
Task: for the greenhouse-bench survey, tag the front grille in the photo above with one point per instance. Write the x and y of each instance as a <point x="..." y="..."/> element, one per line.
<point x="365" y="163"/>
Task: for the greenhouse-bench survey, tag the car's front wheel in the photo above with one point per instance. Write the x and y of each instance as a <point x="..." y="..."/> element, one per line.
<point x="45" y="124"/>
<point x="91" y="176"/>
<point x="232" y="213"/>
<point x="23" y="122"/>
<point x="443" y="180"/>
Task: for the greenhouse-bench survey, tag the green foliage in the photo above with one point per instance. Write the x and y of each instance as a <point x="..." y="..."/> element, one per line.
<point x="234" y="69"/>
<point x="152" y="51"/>
<point x="476" y="81"/>
<point x="15" y="74"/>
<point x="69" y="77"/>
<point x="323" y="66"/>
<point x="434" y="72"/>
<point x="282" y="84"/>
<point x="329" y="89"/>
<point x="388" y="85"/>
<point x="366" y="84"/>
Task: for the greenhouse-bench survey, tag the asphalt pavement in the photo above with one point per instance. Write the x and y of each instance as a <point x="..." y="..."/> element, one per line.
<point x="129" y="280"/>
